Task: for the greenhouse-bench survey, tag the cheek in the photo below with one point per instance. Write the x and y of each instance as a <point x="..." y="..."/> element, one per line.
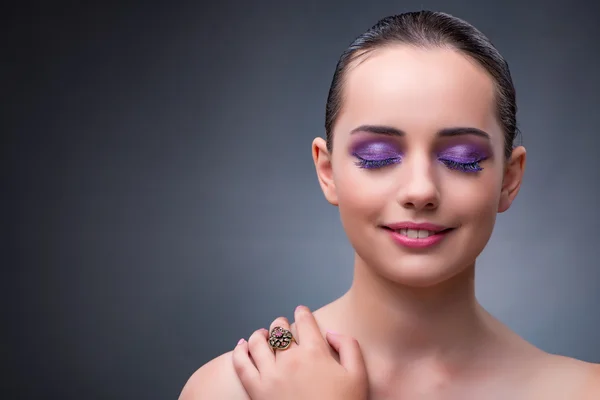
<point x="361" y="194"/>
<point x="474" y="200"/>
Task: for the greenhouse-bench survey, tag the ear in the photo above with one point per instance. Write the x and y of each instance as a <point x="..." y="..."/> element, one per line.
<point x="513" y="176"/>
<point x="322" y="159"/>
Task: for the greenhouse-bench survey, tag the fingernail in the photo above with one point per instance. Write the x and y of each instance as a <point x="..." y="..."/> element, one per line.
<point x="242" y="340"/>
<point x="301" y="308"/>
<point x="332" y="332"/>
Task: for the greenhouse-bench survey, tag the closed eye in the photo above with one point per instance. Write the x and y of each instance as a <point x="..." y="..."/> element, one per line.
<point x="463" y="167"/>
<point x="371" y="164"/>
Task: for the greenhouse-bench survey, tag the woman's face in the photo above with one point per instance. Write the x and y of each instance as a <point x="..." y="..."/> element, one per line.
<point x="417" y="141"/>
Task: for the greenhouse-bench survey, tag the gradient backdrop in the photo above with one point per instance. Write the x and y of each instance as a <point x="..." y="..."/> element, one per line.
<point x="160" y="199"/>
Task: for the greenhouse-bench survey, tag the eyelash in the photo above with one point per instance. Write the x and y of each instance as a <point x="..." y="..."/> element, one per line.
<point x="370" y="164"/>
<point x="464" y="167"/>
<point x="450" y="164"/>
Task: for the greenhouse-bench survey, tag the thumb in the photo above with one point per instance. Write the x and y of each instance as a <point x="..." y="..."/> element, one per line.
<point x="350" y="354"/>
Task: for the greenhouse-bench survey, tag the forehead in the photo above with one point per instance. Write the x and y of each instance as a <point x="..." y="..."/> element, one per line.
<point x="418" y="90"/>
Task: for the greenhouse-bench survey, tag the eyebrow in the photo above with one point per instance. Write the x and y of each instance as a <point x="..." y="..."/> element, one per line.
<point x="446" y="132"/>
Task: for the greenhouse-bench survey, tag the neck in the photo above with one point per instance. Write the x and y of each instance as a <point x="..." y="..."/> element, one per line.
<point x="443" y="323"/>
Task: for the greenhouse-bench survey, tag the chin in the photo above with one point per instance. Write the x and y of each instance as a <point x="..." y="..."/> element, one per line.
<point x="419" y="270"/>
<point x="421" y="276"/>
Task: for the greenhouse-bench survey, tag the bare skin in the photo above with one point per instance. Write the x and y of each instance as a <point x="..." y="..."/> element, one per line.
<point x="517" y="371"/>
<point x="421" y="331"/>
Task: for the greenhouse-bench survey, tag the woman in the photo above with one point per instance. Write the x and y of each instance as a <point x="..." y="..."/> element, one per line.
<point x="419" y="157"/>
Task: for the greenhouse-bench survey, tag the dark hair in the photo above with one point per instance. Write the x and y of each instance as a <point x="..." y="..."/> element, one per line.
<point x="429" y="29"/>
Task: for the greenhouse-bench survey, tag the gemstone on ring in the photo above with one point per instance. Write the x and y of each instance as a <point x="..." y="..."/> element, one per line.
<point x="280" y="339"/>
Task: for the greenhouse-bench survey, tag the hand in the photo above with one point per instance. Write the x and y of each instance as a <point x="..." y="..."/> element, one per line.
<point x="305" y="370"/>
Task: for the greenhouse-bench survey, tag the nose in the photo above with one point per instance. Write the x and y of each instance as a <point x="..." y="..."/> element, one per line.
<point x="418" y="189"/>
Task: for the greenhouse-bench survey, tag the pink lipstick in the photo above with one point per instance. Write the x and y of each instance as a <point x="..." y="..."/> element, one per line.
<point x="417" y="235"/>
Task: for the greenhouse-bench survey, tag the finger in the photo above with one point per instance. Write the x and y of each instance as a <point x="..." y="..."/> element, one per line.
<point x="281" y="322"/>
<point x="260" y="351"/>
<point x="244" y="367"/>
<point x="350" y="354"/>
<point x="307" y="327"/>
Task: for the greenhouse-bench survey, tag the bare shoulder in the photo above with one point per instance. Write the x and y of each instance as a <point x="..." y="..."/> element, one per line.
<point x="565" y="377"/>
<point x="590" y="375"/>
<point x="214" y="380"/>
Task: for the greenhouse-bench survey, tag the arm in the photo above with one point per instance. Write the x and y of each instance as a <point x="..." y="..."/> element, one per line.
<point x="214" y="380"/>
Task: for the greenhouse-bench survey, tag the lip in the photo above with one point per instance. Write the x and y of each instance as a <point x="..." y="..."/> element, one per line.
<point x="417" y="243"/>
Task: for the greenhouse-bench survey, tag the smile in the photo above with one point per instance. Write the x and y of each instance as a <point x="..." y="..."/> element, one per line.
<point x="417" y="238"/>
<point x="415" y="233"/>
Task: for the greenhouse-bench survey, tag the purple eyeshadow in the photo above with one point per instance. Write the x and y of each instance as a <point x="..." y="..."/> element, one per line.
<point x="464" y="154"/>
<point x="380" y="153"/>
<point x="376" y="151"/>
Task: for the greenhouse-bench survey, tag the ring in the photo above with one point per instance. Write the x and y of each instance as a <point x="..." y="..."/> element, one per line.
<point x="280" y="339"/>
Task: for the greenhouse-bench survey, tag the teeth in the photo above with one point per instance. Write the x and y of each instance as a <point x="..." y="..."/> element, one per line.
<point x="415" y="233"/>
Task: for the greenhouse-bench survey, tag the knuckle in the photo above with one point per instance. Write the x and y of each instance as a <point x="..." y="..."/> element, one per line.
<point x="313" y="349"/>
<point x="302" y="309"/>
<point x="271" y="382"/>
<point x="293" y="364"/>
<point x="302" y="312"/>
<point x="280" y="321"/>
<point x="256" y="338"/>
<point x="245" y="375"/>
<point x="240" y="370"/>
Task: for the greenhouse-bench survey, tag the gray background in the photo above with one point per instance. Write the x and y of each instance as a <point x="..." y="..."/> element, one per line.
<point x="160" y="200"/>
